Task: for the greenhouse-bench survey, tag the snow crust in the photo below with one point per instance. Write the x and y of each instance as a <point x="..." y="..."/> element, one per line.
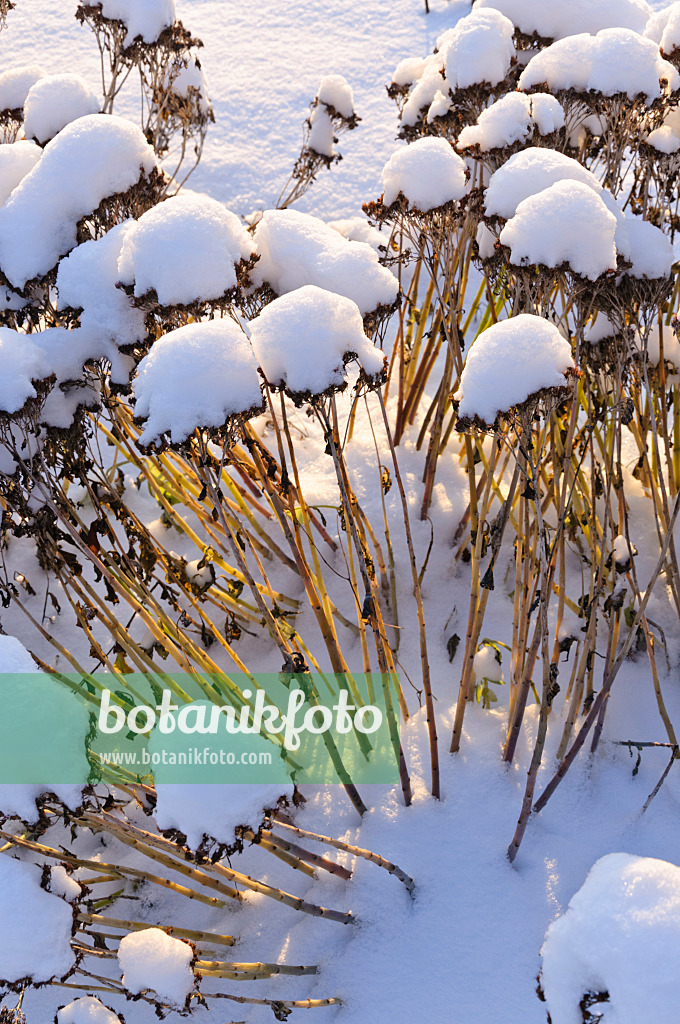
<point x="35" y="926"/>
<point x="616" y="60"/>
<point x="620" y="934"/>
<point x="511" y="119"/>
<point x="16" y="83"/>
<point x="335" y="91"/>
<point x="16" y="160"/>
<point x="86" y="1010"/>
<point x="566" y="223"/>
<point x="510" y="361"/>
<point x="555" y="20"/>
<point x="196" y="376"/>
<point x="429" y="173"/>
<point x="185" y="249"/>
<point x="297" y="249"/>
<point x="664" y="139"/>
<point x="92" y="158"/>
<point x="215" y="811"/>
<point x="152" y="959"/>
<point x="478" y="49"/>
<point x="144" y="19"/>
<point x="302" y="339"/>
<point x="663" y="28"/>
<point x="54" y="101"/>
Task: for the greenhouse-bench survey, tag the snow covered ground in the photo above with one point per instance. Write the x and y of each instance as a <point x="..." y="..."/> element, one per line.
<point x="466" y="949"/>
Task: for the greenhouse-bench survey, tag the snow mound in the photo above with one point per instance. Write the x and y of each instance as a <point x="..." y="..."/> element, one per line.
<point x="358" y="229"/>
<point x="191" y="77"/>
<point x="510" y="361"/>
<point x="529" y="172"/>
<point x="600" y="329"/>
<point x="22" y="363"/>
<point x="616" y="60"/>
<point x="35" y="927"/>
<point x="86" y="1010"/>
<point x="16" y="160"/>
<point x="512" y="119"/>
<point x="478" y="49"/>
<point x="335" y="91"/>
<point x="16" y="83"/>
<point x="426" y="86"/>
<point x="297" y="249"/>
<point x="152" y="959"/>
<point x="620" y="934"/>
<point x="185" y="249"/>
<point x="651" y="253"/>
<point x="61" y="884"/>
<point x="303" y="339"/>
<point x="663" y="28"/>
<point x="144" y="19"/>
<point x="196" y="376"/>
<point x="92" y="158"/>
<point x="215" y="811"/>
<point x="429" y="173"/>
<point x="555" y="20"/>
<point x="86" y="280"/>
<point x="664" y="140"/>
<point x="53" y="102"/>
<point x="565" y="223"/>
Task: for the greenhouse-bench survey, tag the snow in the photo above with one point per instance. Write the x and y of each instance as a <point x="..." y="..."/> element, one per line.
<point x="567" y="223"/>
<point x="424" y="92"/>
<point x="16" y="160"/>
<point x="13" y="655"/>
<point x="145" y="19"/>
<point x="616" y="60"/>
<point x="429" y="173"/>
<point x="198" y="375"/>
<point x="529" y="172"/>
<point x="53" y="102"/>
<point x="302" y="340"/>
<point x="22" y="362"/>
<point x="664" y="139"/>
<point x="86" y="1010"/>
<point x="510" y="361"/>
<point x="15" y="84"/>
<point x="671" y="346"/>
<point x="663" y="28"/>
<point x="214" y="811"/>
<point x="409" y="70"/>
<point x="600" y="329"/>
<point x="479" y="49"/>
<point x="185" y="249"/>
<point x="90" y="159"/>
<point x="358" y="229"/>
<point x="86" y="280"/>
<point x="651" y="253"/>
<point x="192" y="77"/>
<point x="321" y="133"/>
<point x="297" y="249"/>
<point x="511" y="119"/>
<point x="621" y="935"/>
<point x="555" y="20"/>
<point x="61" y="884"/>
<point x="335" y="91"/>
<point x="35" y="927"/>
<point x="152" y="959"/>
